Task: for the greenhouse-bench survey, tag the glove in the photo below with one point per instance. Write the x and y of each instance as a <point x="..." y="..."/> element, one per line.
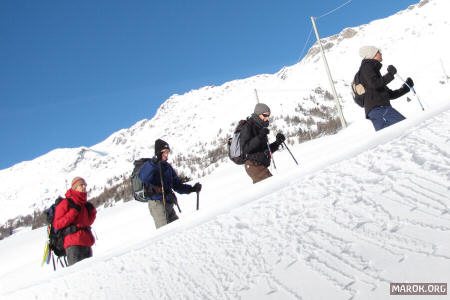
<point x="280" y="138"/>
<point x="264" y="132"/>
<point x="197" y="187"/>
<point x="156" y="189"/>
<point x="392" y="70"/>
<point x="89" y="206"/>
<point x="409" y="82"/>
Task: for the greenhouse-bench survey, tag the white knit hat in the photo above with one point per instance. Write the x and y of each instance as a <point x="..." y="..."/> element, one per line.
<point x="368" y="52"/>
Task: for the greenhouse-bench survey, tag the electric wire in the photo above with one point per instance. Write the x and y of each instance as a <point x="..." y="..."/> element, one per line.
<point x="333" y="10"/>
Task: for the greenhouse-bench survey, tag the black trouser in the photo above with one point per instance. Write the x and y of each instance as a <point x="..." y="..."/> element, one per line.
<point x="77" y="253"/>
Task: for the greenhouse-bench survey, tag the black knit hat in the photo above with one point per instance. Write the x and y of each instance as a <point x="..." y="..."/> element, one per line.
<point x="160" y="145"/>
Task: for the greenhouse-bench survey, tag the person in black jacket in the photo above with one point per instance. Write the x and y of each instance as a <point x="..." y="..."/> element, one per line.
<point x="377" y="106"/>
<point x="255" y="144"/>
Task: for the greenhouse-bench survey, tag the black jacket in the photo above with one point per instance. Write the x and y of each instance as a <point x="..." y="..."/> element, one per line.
<point x="377" y="92"/>
<point x="254" y="146"/>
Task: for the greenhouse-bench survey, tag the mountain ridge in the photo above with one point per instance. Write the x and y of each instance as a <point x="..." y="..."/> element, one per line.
<point x="293" y="93"/>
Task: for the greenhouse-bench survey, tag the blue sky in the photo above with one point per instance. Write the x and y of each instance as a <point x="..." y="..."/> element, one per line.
<point x="74" y="72"/>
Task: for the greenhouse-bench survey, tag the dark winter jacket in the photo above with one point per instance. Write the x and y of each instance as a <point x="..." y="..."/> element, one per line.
<point x="377" y="92"/>
<point x="254" y="146"/>
<point x="81" y="215"/>
<point x="149" y="174"/>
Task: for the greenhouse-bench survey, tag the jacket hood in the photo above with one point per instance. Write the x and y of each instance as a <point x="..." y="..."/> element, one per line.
<point x="376" y="64"/>
<point x="260" y="123"/>
<point x="77" y="197"/>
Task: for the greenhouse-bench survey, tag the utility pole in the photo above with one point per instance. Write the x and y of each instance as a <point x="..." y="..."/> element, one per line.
<point x="338" y="105"/>
<point x="257" y="98"/>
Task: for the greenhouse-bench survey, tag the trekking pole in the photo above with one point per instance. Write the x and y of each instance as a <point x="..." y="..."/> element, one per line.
<point x="198" y="200"/>
<point x="271" y="156"/>
<point x="290" y="153"/>
<point x="412" y="89"/>
<point x="162" y="189"/>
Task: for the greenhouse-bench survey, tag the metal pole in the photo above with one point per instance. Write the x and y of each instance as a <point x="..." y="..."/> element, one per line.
<point x="412" y="89"/>
<point x="271" y="156"/>
<point x="290" y="153"/>
<point x="162" y="189"/>
<point x="338" y="106"/>
<point x="257" y="98"/>
<point x="198" y="201"/>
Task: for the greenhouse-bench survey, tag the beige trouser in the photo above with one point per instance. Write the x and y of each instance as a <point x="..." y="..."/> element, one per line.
<point x="256" y="171"/>
<point x="157" y="211"/>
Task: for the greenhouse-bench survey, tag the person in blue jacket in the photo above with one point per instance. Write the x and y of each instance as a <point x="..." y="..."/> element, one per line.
<point x="160" y="188"/>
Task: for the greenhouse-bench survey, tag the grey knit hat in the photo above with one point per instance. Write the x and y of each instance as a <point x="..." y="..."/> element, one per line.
<point x="261" y="108"/>
<point x="368" y="52"/>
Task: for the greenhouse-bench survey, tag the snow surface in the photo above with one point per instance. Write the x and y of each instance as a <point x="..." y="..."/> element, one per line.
<point x="362" y="210"/>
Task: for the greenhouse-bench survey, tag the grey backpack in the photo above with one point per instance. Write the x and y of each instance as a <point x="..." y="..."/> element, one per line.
<point x="234" y="145"/>
<point x="138" y="188"/>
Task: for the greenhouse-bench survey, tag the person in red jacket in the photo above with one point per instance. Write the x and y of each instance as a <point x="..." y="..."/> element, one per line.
<point x="76" y="216"/>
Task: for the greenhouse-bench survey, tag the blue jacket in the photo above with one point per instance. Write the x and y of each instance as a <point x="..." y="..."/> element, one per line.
<point x="149" y="174"/>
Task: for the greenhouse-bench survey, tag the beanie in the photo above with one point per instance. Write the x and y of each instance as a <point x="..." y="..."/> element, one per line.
<point x="368" y="52"/>
<point x="160" y="145"/>
<point x="261" y="108"/>
<point x="77" y="181"/>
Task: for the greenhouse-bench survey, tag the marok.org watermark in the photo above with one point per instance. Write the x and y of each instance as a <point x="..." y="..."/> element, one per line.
<point x="418" y="288"/>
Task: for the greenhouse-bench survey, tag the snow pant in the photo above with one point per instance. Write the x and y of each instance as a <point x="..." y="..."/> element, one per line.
<point x="384" y="116"/>
<point x="157" y="211"/>
<point x="256" y="171"/>
<point x="77" y="253"/>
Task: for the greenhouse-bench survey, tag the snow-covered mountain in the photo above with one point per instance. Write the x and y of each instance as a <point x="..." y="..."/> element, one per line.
<point x="198" y="122"/>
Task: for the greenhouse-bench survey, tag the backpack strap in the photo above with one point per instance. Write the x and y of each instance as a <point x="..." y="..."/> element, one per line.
<point x="73" y="205"/>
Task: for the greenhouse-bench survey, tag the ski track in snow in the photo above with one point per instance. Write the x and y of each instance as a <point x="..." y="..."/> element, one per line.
<point x="347" y="230"/>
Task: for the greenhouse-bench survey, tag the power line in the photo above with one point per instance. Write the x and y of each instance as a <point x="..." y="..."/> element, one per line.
<point x="333" y="10"/>
<point x="304" y="47"/>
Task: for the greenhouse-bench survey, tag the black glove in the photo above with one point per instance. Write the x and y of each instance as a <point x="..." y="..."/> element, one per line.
<point x="392" y="70"/>
<point x="197" y="187"/>
<point x="89" y="206"/>
<point x="280" y="138"/>
<point x="409" y="82"/>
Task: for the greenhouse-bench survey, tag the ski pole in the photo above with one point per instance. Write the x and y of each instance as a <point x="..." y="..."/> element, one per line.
<point x="290" y="153"/>
<point x="271" y="156"/>
<point x="198" y="200"/>
<point x="162" y="189"/>
<point x="412" y="89"/>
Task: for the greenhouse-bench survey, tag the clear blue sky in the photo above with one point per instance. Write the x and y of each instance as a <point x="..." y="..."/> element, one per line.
<point x="74" y="72"/>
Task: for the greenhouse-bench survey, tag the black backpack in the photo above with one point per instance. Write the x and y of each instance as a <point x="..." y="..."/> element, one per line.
<point x="234" y="145"/>
<point x="139" y="189"/>
<point x="56" y="237"/>
<point x="358" y="90"/>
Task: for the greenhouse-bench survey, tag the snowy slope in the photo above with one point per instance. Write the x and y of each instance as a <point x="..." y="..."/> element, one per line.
<point x="362" y="210"/>
<point x="193" y="123"/>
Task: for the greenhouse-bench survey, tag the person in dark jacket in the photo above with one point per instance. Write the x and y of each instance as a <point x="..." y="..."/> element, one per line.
<point x="76" y="217"/>
<point x="255" y="144"/>
<point x="377" y="97"/>
<point x="161" y="190"/>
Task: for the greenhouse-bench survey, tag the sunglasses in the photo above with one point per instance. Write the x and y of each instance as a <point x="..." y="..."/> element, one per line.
<point x="266" y="115"/>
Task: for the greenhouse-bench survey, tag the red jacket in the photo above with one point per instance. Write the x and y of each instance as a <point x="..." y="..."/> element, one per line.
<point x="66" y="215"/>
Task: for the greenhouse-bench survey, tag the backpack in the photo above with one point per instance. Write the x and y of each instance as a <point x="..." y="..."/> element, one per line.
<point x="56" y="237"/>
<point x="234" y="145"/>
<point x="358" y="90"/>
<point x="139" y="189"/>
